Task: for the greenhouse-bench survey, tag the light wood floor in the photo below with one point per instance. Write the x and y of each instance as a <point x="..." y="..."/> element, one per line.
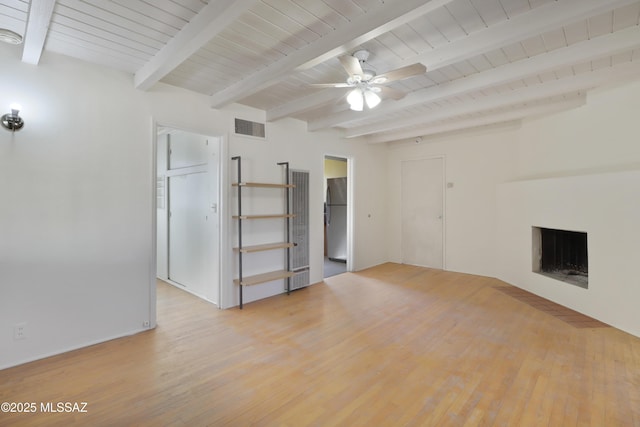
<point x="391" y="346"/>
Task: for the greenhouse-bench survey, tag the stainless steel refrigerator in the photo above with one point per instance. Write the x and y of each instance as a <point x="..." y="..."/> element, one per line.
<point x="336" y="219"/>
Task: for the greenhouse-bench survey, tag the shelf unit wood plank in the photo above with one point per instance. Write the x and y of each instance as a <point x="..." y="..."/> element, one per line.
<point x="242" y="249"/>
<point x="264" y="247"/>
<point x="264" y="277"/>
<point x="262" y="185"/>
<point x="263" y="216"/>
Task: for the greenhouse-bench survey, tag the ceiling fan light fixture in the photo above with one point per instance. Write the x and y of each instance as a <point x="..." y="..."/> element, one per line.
<point x="371" y="98"/>
<point x="355" y="100"/>
<point x="354" y="80"/>
<point x="364" y="81"/>
<point x="368" y="72"/>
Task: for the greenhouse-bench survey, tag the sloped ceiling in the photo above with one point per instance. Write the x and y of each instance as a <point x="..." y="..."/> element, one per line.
<point x="488" y="61"/>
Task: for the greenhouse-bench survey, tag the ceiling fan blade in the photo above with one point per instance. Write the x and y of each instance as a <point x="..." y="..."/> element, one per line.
<point x="402" y="73"/>
<point x="389" y="92"/>
<point x="330" y="85"/>
<point x="351" y="65"/>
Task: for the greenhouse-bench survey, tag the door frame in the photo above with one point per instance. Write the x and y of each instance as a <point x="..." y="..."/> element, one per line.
<point x="223" y="235"/>
<point x="444" y="203"/>
<point x="350" y="199"/>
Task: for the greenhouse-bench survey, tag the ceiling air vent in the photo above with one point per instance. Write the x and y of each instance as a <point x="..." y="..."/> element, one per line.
<point x="246" y="127"/>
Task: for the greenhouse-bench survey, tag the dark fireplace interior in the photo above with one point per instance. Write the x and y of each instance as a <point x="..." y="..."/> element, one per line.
<point x="562" y="254"/>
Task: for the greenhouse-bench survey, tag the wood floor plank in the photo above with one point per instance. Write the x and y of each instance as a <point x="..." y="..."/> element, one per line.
<point x="391" y="345"/>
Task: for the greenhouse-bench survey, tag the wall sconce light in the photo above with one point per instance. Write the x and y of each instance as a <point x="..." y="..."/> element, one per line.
<point x="12" y="121"/>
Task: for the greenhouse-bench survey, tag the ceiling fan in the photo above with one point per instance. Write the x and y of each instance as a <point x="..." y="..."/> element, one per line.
<point x="366" y="84"/>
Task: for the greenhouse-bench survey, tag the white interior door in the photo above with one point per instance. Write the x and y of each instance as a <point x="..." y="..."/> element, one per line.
<point x="422" y="212"/>
<point x="189" y="231"/>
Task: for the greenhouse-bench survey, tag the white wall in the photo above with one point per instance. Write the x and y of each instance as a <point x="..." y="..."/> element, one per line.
<point x="287" y="140"/>
<point x="590" y="159"/>
<point x="75" y="235"/>
<point x="76" y="226"/>
<point x="475" y="163"/>
<point x="606" y="207"/>
<point x="599" y="136"/>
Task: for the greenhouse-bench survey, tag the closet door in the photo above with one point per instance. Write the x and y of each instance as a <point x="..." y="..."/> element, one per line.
<point x="189" y="231"/>
<point x="422" y="212"/>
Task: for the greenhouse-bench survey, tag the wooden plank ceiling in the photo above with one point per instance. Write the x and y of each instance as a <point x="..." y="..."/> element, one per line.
<point x="488" y="61"/>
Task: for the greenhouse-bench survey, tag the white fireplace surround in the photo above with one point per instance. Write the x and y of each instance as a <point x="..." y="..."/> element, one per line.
<point x="608" y="207"/>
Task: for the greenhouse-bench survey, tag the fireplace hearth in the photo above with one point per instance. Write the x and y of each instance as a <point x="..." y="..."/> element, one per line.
<point x="561" y="255"/>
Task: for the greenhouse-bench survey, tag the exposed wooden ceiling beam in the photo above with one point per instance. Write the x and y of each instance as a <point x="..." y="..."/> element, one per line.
<point x="579" y="82"/>
<point x="382" y="19"/>
<point x="521" y="27"/>
<point x="595" y="48"/>
<point x="513" y="113"/>
<point x="302" y="105"/>
<point x="210" y="21"/>
<point x="40" y="13"/>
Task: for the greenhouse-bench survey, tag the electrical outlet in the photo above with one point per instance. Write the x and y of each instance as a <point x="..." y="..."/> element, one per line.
<point x="20" y="331"/>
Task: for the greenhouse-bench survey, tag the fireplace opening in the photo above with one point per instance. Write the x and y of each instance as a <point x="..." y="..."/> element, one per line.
<point x="561" y="255"/>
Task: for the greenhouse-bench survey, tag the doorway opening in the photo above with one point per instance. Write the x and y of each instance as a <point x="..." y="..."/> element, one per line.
<point x="336" y="215"/>
<point x="187" y="243"/>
